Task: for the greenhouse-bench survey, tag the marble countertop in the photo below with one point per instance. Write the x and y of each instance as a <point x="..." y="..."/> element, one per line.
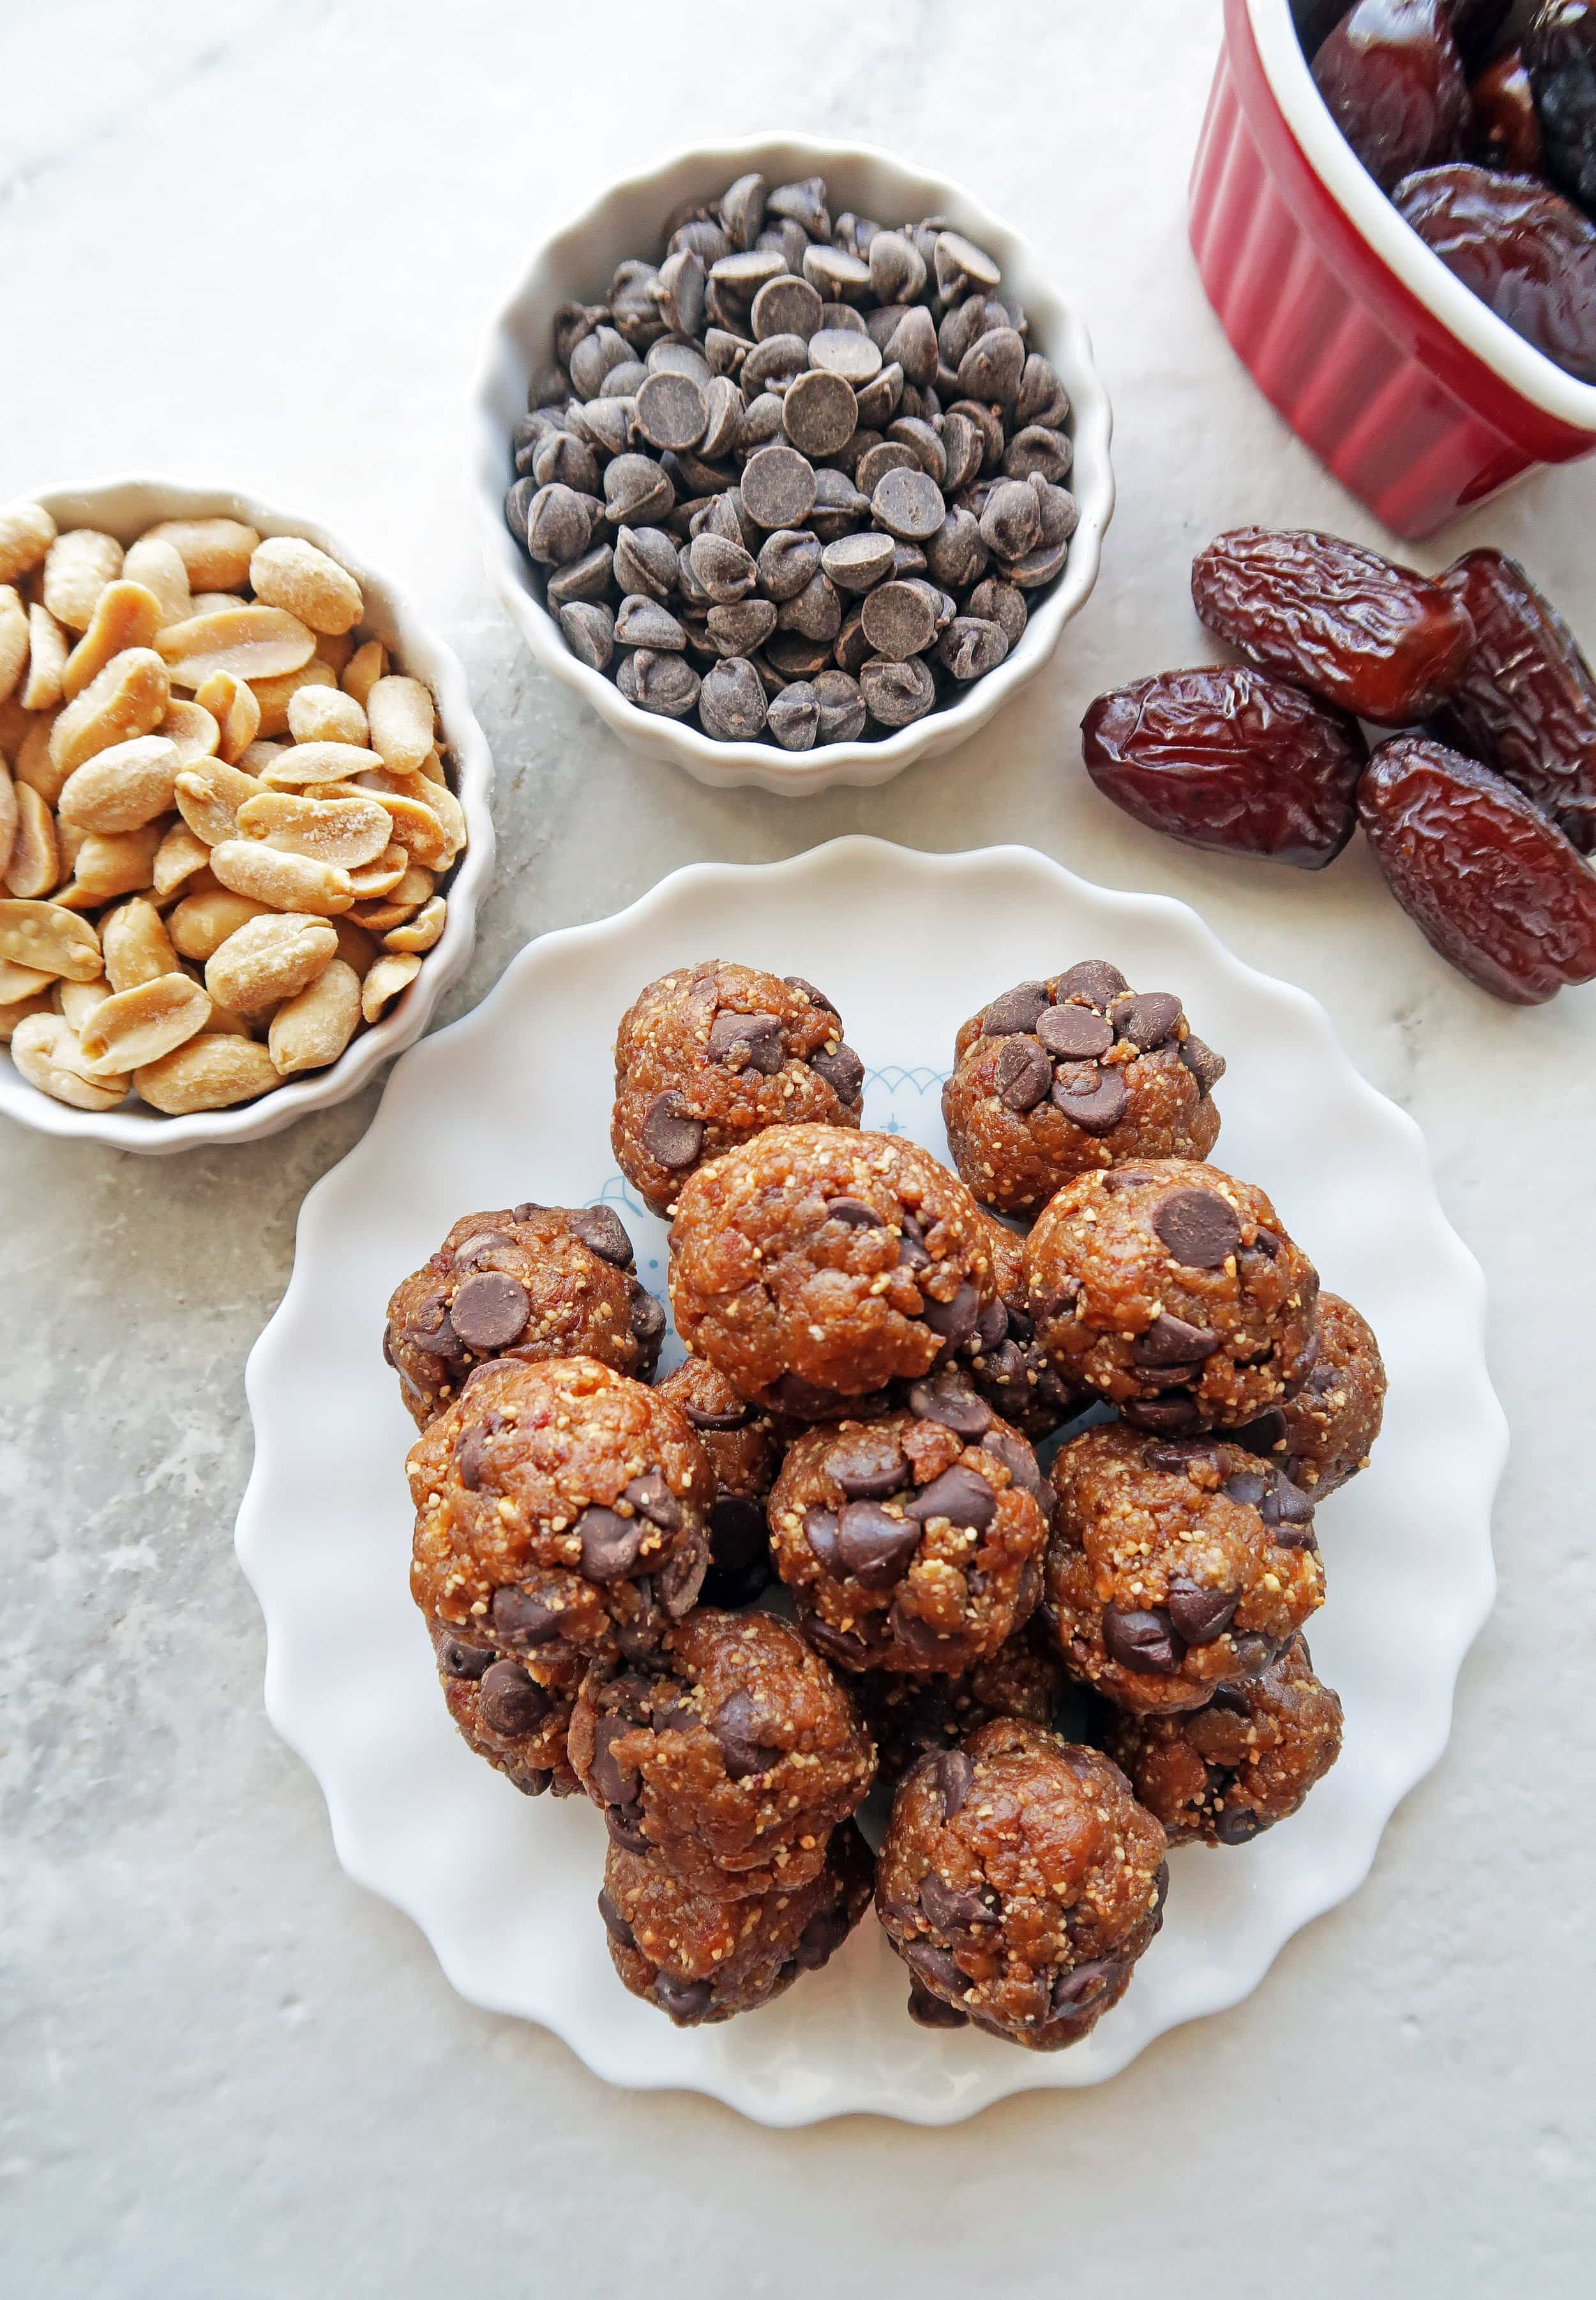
<point x="256" y="244"/>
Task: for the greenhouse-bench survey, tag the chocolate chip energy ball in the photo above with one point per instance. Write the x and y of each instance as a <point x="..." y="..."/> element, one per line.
<point x="523" y="1282"/>
<point x="1011" y="1368"/>
<point x="1325" y="1433"/>
<point x="711" y="1055"/>
<point x="745" y="1451"/>
<point x="507" y="1711"/>
<point x="733" y="1753"/>
<point x="1020" y="1882"/>
<point x="910" y="1544"/>
<point x="910" y="1716"/>
<point x="813" y="1265"/>
<point x="1060" y="1078"/>
<point x="1228" y="1771"/>
<point x="700" y="1958"/>
<point x="1176" y="1566"/>
<point x="561" y="1511"/>
<point x="1172" y="1290"/>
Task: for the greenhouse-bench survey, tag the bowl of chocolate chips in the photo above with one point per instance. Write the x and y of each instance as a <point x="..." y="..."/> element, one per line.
<point x="789" y="460"/>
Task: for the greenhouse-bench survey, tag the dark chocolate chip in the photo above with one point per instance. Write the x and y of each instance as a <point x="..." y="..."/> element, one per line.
<point x="525" y="1211"/>
<point x="949" y="1910"/>
<point x="684" y="2000"/>
<point x="471" y="1249"/>
<point x="1246" y="1487"/>
<point x="1180" y="1456"/>
<point x="855" y="1213"/>
<point x="820" y="1532"/>
<point x="842" y="1070"/>
<point x="1200" y="1615"/>
<point x="1018" y="1458"/>
<point x="1171" y="1342"/>
<point x="490" y="1311"/>
<point x="436" y="1341"/>
<point x="875" y="1546"/>
<point x="1206" y="1067"/>
<point x="821" y="1938"/>
<point x="1095" y="981"/>
<point x="1016" y="1010"/>
<point x="806" y="1401"/>
<point x="1074" y="1991"/>
<point x="653" y="1498"/>
<point x="754" y="1041"/>
<point x="1022" y="1074"/>
<point x="1268" y="1243"/>
<point x="602" y="1231"/>
<point x="729" y="1418"/>
<point x="1075" y="1034"/>
<point x="1230" y="1703"/>
<point x="955" y="1320"/>
<point x="1254" y="1652"/>
<point x="1199" y="1227"/>
<point x="955" y="1774"/>
<point x="669" y="1136"/>
<point x="991" y="1327"/>
<point x="960" y="1496"/>
<point x="816" y="997"/>
<point x="840" y="1646"/>
<point x="469" y="1455"/>
<point x="736" y="1726"/>
<point x="611" y="1544"/>
<point x="1143" y="1641"/>
<point x="868" y="1466"/>
<point x="911" y="1247"/>
<point x="1162" y="1417"/>
<point x="1149" y="1021"/>
<point x="1091" y="1098"/>
<point x="1237" y="1825"/>
<point x="521" y="1618"/>
<point x="777" y="488"/>
<point x="1286" y="1504"/>
<point x="952" y="1400"/>
<point x="615" y="1924"/>
<point x="936" y="1968"/>
<point x="510" y="1703"/>
<point x="455" y="1658"/>
<point x="625" y="1826"/>
<point x="648" y="1317"/>
<point x="617" y="1784"/>
<point x="929" y="2012"/>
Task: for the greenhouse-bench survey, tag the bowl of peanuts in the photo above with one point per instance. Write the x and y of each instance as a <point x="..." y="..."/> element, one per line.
<point x="243" y="816"/>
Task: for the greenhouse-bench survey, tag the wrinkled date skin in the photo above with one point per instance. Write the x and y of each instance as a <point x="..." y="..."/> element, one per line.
<point x="1371" y="638"/>
<point x="1395" y="82"/>
<point x="1560" y="51"/>
<point x="1495" y="888"/>
<point x="1231" y="760"/>
<point x="1527" y="702"/>
<point x="1507" y="130"/>
<point x="1525" y="251"/>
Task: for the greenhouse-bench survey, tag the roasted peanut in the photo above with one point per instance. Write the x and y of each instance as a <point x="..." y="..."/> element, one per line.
<point x="194" y="730"/>
<point x="268" y="960"/>
<point x="56" y="941"/>
<point x="310" y="1030"/>
<point x="77" y="1001"/>
<point x="305" y="763"/>
<point x="392" y="973"/>
<point x="259" y="755"/>
<point x="138" y="1025"/>
<point x="136" y="945"/>
<point x="356" y="947"/>
<point x="286" y="573"/>
<point x="351" y="832"/>
<point x="108" y="863"/>
<point x="181" y="854"/>
<point x="46" y="661"/>
<point x="373" y="880"/>
<point x="34" y="765"/>
<point x="325" y="715"/>
<point x="124" y="788"/>
<point x="400" y="713"/>
<point x="20" y="982"/>
<point x="15" y="1010"/>
<point x="8" y="817"/>
<point x="159" y="567"/>
<point x="201" y="922"/>
<point x="215" y="552"/>
<point x="129" y="697"/>
<point x="236" y="710"/>
<point x="287" y="882"/>
<point x="46" y="1051"/>
<point x="335" y="648"/>
<point x="35" y="864"/>
<point x="126" y="615"/>
<point x="210" y="1072"/>
<point x="417" y="829"/>
<point x="209" y="796"/>
<point x="77" y="566"/>
<point x="27" y="531"/>
<point x="275" y="695"/>
<point x="14" y="639"/>
<point x="249" y="642"/>
<point x="422" y="931"/>
<point x="365" y="666"/>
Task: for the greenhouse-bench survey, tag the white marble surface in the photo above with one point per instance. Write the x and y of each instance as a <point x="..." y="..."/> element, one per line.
<point x="255" y="243"/>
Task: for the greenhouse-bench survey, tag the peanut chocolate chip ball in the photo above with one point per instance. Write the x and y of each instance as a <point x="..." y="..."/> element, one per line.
<point x="523" y="1282"/>
<point x="709" y="1056"/>
<point x="813" y="1266"/>
<point x="909" y="1716"/>
<point x="1323" y="1435"/>
<point x="701" y="1958"/>
<point x="914" y="1542"/>
<point x="1063" y="1077"/>
<point x="561" y="1511"/>
<point x="1019" y="1881"/>
<point x="515" y="1713"/>
<point x="1176" y="1566"/>
<point x="1007" y="1362"/>
<point x="1172" y="1289"/>
<point x="733" y="1753"/>
<point x="1247" y="1759"/>
<point x="744" y="1446"/>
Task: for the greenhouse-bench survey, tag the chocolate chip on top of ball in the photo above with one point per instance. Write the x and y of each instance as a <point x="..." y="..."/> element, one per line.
<point x="731" y="1751"/>
<point x="1173" y="1290"/>
<point x="1323" y="1435"/>
<point x="1019" y="1881"/>
<point x="1176" y="1566"/>
<point x="1007" y="1362"/>
<point x="514" y="1713"/>
<point x="744" y="1446"/>
<point x="562" y="1510"/>
<point x="813" y="1266"/>
<point x="1059" y="1078"/>
<point x="709" y="1055"/>
<point x="523" y="1282"/>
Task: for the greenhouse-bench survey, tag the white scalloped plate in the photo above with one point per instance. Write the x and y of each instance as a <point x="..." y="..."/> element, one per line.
<point x="513" y="1102"/>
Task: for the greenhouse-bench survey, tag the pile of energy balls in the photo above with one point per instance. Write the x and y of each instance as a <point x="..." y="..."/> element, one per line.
<point x="1051" y="1678"/>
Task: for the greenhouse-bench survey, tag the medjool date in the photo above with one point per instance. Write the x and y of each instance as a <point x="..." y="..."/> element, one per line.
<point x="1229" y="759"/>
<point x="1525" y="251"/>
<point x="1506" y="131"/>
<point x="1393" y="79"/>
<point x="1561" y="50"/>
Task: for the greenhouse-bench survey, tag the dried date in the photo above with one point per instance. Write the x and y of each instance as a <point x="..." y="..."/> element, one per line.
<point x="1359" y="631"/>
<point x="1525" y="251"/>
<point x="1560" y="51"/>
<point x="1525" y="704"/>
<point x="1495" y="888"/>
<point x="1395" y="82"/>
<point x="1231" y="760"/>
<point x="1507" y="130"/>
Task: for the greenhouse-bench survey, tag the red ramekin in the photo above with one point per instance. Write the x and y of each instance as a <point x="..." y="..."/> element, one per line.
<point x="1412" y="390"/>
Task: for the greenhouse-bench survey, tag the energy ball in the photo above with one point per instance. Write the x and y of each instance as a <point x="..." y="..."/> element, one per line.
<point x="1176" y="1566"/>
<point x="525" y="1282"/>
<point x="506" y="1710"/>
<point x="912" y="1543"/>
<point x="701" y="1958"/>
<point x="1010" y="1371"/>
<point x="1172" y="1289"/>
<point x="909" y="1716"/>
<point x="1324" y="1435"/>
<point x="813" y="1266"/>
<point x="1019" y="1881"/>
<point x="733" y="1753"/>
<point x="561" y="1511"/>
<point x="1064" y="1077"/>
<point x="709" y="1056"/>
<point x="1229" y="1770"/>
<point x="743" y="1447"/>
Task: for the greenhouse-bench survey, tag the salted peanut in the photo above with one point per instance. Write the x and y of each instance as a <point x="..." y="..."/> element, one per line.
<point x="215" y="603"/>
<point x="287" y="882"/>
<point x="349" y="832"/>
<point x="46" y="661"/>
<point x="269" y="959"/>
<point x="306" y="763"/>
<point x="417" y="829"/>
<point x="77" y="566"/>
<point x="236" y="710"/>
<point x="8" y="817"/>
<point x="18" y="1010"/>
<point x="126" y="615"/>
<point x="365" y="666"/>
<point x="14" y="723"/>
<point x="288" y="572"/>
<point x="432" y="769"/>
<point x="422" y="931"/>
<point x="275" y="695"/>
<point x="313" y="1029"/>
<point x="392" y="973"/>
<point x="215" y="552"/>
<point x="194" y="730"/>
<point x="201" y="922"/>
<point x="35" y="864"/>
<point x="209" y="796"/>
<point x="27" y="531"/>
<point x="380" y="877"/>
<point x="46" y="1051"/>
<point x="260" y="754"/>
<point x="325" y="715"/>
<point x="414" y="888"/>
<point x="399" y="713"/>
<point x="250" y="642"/>
<point x="356" y="947"/>
<point x="124" y="788"/>
<point x="45" y="936"/>
<point x="228" y="1024"/>
<point x="32" y="763"/>
<point x="138" y="1026"/>
<point x="129" y="697"/>
<point x="180" y="855"/>
<point x="77" y="1001"/>
<point x="136" y="945"/>
<point x="160" y="568"/>
<point x="335" y="649"/>
<point x="110" y="862"/>
<point x="450" y="814"/>
<point x="14" y="639"/>
<point x="20" y="982"/>
<point x="212" y="1072"/>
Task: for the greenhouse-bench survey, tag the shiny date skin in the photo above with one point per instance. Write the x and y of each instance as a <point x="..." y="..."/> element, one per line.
<point x="1524" y="250"/>
<point x="1525" y="704"/>
<point x="1494" y="887"/>
<point x="1231" y="760"/>
<point x="1559" y="49"/>
<point x="1506" y="128"/>
<point x="1395" y="86"/>
<point x="1360" y="632"/>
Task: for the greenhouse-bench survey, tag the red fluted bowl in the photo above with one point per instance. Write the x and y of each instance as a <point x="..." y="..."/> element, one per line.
<point x="1412" y="390"/>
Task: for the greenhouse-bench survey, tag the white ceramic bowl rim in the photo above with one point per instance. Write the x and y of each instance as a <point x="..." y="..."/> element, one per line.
<point x="1056" y="331"/>
<point x="1509" y="355"/>
<point x="125" y="504"/>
